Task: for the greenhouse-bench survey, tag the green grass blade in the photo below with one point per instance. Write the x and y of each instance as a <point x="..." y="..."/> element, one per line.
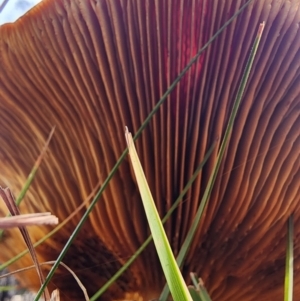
<point x="172" y="273"/>
<point x="289" y="263"/>
<point x="149" y="239"/>
<point x="123" y="155"/>
<point x="184" y="249"/>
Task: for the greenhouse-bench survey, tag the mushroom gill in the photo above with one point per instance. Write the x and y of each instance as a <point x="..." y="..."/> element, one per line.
<point x="89" y="68"/>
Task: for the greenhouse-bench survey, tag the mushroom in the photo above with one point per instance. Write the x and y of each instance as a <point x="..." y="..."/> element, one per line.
<point x="91" y="67"/>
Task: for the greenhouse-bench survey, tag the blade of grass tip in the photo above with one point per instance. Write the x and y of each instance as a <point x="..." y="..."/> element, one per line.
<point x="172" y="273"/>
<point x="194" y="280"/>
<point x="207" y="192"/>
<point x="199" y="288"/>
<point x="289" y="263"/>
<point x="203" y="292"/>
<point x="123" y="155"/>
<point x="149" y="239"/>
<point x="195" y="289"/>
<point x="32" y="174"/>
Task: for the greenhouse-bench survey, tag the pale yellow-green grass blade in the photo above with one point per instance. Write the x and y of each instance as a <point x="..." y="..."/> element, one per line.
<point x="187" y="242"/>
<point x="289" y="263"/>
<point x="149" y="239"/>
<point x="172" y="273"/>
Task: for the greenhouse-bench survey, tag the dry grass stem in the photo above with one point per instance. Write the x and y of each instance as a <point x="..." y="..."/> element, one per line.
<point x="28" y="220"/>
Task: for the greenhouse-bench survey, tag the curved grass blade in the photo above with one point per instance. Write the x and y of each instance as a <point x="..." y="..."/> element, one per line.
<point x="172" y="273"/>
<point x="123" y="155"/>
<point x="289" y="263"/>
<point x="184" y="249"/>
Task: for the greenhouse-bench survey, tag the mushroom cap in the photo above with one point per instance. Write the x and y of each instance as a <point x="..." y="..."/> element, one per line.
<point x="89" y="68"/>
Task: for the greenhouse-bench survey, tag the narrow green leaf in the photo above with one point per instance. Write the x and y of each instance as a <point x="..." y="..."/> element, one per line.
<point x="184" y="249"/>
<point x="149" y="239"/>
<point x="289" y="263"/>
<point x="172" y="273"/>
